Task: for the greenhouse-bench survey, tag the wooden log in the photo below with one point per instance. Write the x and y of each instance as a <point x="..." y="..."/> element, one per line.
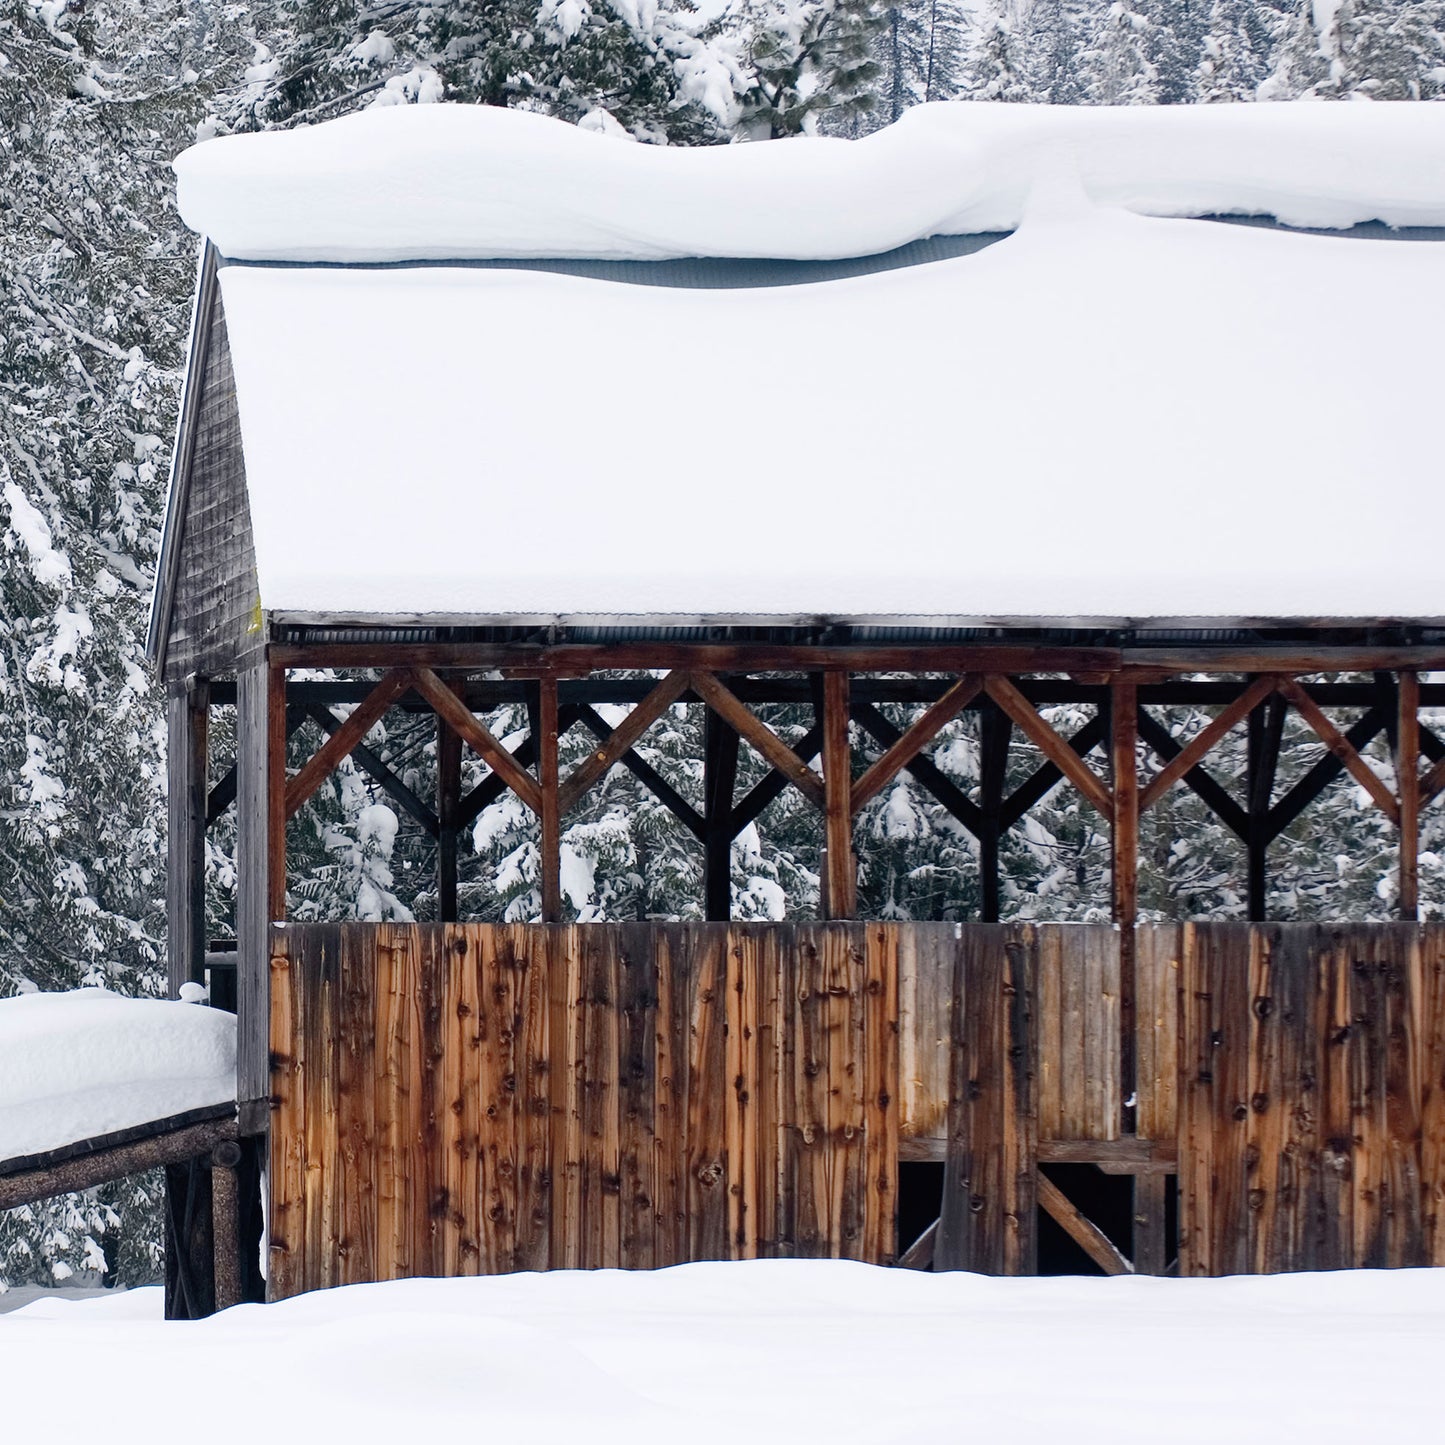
<point x="173" y="1142"/>
<point x="917" y="737"/>
<point x="476" y="735"/>
<point x="1053" y="747"/>
<point x="772" y="748"/>
<point x="1407" y="783"/>
<point x="841" y="872"/>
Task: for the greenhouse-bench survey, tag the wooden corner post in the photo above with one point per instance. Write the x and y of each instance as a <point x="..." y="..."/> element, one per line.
<point x="260" y="875"/>
<point x="187" y="755"/>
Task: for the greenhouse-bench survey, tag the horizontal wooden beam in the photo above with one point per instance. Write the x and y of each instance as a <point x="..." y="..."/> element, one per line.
<point x="1127" y="1155"/>
<point x="168" y="1141"/>
<point x="455" y="713"/>
<point x="578" y="660"/>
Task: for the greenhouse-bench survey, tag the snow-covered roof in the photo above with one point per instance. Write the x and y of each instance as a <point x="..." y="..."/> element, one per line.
<point x="89" y="1063"/>
<point x="1106" y="415"/>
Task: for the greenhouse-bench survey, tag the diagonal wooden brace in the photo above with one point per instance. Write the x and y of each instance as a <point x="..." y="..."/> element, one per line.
<point x="1054" y="747"/>
<point x="1341" y="747"/>
<point x="623" y="737"/>
<point x="343" y="741"/>
<point x="1203" y="743"/>
<point x="915" y="739"/>
<point x="455" y="713"/>
<point x="756" y="732"/>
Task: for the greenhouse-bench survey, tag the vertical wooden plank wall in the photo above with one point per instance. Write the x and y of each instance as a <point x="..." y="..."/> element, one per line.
<point x="1312" y="1097"/>
<point x="453" y="1099"/>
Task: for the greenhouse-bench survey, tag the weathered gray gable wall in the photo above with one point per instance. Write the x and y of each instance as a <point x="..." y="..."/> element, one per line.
<point x="214" y="618"/>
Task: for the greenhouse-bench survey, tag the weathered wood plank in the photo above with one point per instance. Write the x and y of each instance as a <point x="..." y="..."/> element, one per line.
<point x="987" y="1223"/>
<point x="532" y="957"/>
<point x="356" y="1124"/>
<point x="708" y="1159"/>
<point x="286" y="1255"/>
<point x="841" y="868"/>
<point x="879" y="1082"/>
<point x="636" y="975"/>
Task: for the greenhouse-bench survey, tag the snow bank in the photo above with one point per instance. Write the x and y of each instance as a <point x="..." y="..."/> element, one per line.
<point x="770" y="1352"/>
<point x="78" y="1065"/>
<point x="1102" y="417"/>
<point x="453" y="182"/>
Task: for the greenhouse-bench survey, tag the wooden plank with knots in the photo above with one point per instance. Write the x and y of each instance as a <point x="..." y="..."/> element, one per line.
<point x="752" y="728"/>
<point x="1054" y="747"/>
<point x="1341" y="747"/>
<point x="917" y="737"/>
<point x="476" y="735"/>
<point x="1203" y="743"/>
<point x="632" y="727"/>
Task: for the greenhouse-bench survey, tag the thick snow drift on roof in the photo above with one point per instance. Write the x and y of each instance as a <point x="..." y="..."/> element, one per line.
<point x="1102" y="416"/>
<point x="453" y="182"/>
<point x="78" y="1065"/>
<point x="770" y="1352"/>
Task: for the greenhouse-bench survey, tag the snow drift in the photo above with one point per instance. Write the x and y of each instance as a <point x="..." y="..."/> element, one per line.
<point x="772" y="1352"/>
<point x="456" y="182"/>
<point x="78" y="1065"/>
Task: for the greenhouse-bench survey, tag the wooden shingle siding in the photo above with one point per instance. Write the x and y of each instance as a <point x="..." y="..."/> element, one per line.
<point x="213" y="621"/>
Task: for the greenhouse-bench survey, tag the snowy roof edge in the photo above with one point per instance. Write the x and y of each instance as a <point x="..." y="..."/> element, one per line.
<point x="451" y="182"/>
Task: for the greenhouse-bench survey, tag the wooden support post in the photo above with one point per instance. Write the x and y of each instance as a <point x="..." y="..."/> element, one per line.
<point x="1124" y="766"/>
<point x="551" y="811"/>
<point x="840" y="894"/>
<point x="995" y="729"/>
<point x="449" y="792"/>
<point x="260" y="876"/>
<point x="720" y="770"/>
<point x="1407" y="774"/>
<point x="1266" y="729"/>
<point x="1151" y="1248"/>
<point x="187" y="718"/>
<point x="225" y="1224"/>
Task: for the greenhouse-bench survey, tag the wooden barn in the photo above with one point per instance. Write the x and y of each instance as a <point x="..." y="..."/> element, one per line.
<point x="482" y="410"/>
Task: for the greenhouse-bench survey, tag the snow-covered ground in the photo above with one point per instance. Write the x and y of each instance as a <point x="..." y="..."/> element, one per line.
<point x="89" y="1062"/>
<point x="785" y="1351"/>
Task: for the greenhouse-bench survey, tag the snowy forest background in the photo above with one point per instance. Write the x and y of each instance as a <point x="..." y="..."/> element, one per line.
<point x="96" y="275"/>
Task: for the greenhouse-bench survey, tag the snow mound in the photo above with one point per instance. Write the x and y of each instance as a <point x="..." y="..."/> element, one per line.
<point x="772" y="1351"/>
<point x="455" y="182"/>
<point x="78" y="1065"/>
